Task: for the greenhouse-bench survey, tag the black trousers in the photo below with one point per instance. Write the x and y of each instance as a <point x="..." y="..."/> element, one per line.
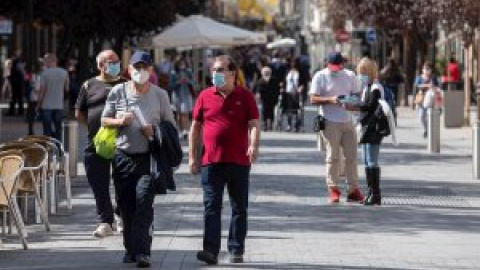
<point x="17" y="98"/>
<point x="131" y="177"/>
<point x="98" y="176"/>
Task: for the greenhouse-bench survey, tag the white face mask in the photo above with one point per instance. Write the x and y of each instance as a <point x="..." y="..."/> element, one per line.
<point x="140" y="76"/>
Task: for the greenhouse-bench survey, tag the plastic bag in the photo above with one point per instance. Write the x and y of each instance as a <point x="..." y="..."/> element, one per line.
<point x="104" y="142"/>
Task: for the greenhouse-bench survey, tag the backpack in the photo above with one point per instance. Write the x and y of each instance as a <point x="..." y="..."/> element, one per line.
<point x="389" y="97"/>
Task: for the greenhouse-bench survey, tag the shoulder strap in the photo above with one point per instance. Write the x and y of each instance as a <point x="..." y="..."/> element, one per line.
<point x="125" y="96"/>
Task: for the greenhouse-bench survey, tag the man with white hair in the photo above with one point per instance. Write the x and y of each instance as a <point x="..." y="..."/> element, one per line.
<point x="54" y="84"/>
<point x="89" y="107"/>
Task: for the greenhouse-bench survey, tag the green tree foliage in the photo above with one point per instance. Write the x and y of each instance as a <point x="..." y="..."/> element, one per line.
<point x="82" y="21"/>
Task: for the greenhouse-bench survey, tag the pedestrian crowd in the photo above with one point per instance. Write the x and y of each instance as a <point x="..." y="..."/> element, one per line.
<point x="152" y="108"/>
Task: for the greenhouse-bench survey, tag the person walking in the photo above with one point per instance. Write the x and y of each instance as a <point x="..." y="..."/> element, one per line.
<point x="422" y="83"/>
<point x="17" y="85"/>
<point x="268" y="89"/>
<point x="134" y="107"/>
<point x="391" y="78"/>
<point x="371" y="138"/>
<point x="54" y="85"/>
<point x="292" y="96"/>
<point x="88" y="111"/>
<point x="182" y="95"/>
<point x="327" y="87"/>
<point x="228" y="116"/>
<point x="6" y="86"/>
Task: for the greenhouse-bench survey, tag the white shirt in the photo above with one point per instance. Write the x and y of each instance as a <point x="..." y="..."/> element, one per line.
<point x="325" y="84"/>
<point x="292" y="81"/>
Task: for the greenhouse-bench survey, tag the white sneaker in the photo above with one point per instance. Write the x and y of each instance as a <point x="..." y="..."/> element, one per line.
<point x="103" y="230"/>
<point x="118" y="223"/>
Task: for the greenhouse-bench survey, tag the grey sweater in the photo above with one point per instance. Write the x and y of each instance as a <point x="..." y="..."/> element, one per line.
<point x="154" y="106"/>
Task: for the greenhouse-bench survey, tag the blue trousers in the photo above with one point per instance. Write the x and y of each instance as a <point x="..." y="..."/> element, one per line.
<point x="52" y="123"/>
<point x="214" y="179"/>
<point x="370" y="154"/>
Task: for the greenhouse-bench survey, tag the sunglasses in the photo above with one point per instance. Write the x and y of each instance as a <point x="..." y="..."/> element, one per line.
<point x="219" y="69"/>
<point x="140" y="66"/>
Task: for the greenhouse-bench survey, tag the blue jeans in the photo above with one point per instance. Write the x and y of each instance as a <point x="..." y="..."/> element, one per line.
<point x="214" y="179"/>
<point x="52" y="123"/>
<point x="370" y="154"/>
<point x="422" y="116"/>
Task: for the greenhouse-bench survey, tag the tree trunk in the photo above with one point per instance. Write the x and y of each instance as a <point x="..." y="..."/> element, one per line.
<point x="409" y="65"/>
<point x="467" y="82"/>
<point x="83" y="59"/>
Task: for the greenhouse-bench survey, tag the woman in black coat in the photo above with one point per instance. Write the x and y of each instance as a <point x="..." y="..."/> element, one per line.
<point x="371" y="125"/>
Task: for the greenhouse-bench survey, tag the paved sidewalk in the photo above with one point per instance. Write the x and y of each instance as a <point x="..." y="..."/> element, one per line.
<point x="430" y="219"/>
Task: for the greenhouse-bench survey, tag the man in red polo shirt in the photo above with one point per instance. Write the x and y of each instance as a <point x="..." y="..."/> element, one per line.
<point x="228" y="116"/>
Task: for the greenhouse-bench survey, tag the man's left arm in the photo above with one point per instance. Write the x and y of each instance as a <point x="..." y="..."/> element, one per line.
<point x="41" y="93"/>
<point x="254" y="132"/>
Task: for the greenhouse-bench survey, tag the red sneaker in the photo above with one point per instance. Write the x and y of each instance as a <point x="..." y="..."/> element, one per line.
<point x="334" y="195"/>
<point x="355" y="196"/>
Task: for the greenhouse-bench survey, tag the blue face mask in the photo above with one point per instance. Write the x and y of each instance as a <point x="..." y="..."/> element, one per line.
<point x="218" y="79"/>
<point x="113" y="69"/>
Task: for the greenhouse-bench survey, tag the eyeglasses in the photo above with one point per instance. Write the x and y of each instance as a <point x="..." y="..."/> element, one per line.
<point x="219" y="69"/>
<point x="112" y="62"/>
<point x="140" y="66"/>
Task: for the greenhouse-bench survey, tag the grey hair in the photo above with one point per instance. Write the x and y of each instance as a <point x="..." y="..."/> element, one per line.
<point x="102" y="56"/>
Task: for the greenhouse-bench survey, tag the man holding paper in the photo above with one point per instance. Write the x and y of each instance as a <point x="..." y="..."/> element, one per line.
<point x="134" y="107"/>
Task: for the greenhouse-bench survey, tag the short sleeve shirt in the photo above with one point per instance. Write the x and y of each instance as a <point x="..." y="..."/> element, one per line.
<point x="154" y="107"/>
<point x="54" y="81"/>
<point x="91" y="101"/>
<point x="328" y="84"/>
<point x="225" y="125"/>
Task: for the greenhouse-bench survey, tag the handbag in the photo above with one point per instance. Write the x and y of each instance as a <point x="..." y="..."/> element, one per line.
<point x="419" y="98"/>
<point x="106" y="137"/>
<point x="319" y="123"/>
<point x="104" y="142"/>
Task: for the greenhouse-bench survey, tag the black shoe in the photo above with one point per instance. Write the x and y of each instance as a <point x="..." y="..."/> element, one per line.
<point x="207" y="257"/>
<point x="143" y="261"/>
<point x="128" y="258"/>
<point x="236" y="258"/>
<point x="425" y="134"/>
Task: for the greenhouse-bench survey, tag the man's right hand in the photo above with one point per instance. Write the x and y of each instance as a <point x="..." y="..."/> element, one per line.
<point x="127" y="118"/>
<point x="194" y="166"/>
<point x="334" y="100"/>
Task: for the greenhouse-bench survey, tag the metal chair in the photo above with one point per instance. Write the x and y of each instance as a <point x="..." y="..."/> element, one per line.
<point x="10" y="168"/>
<point x="33" y="177"/>
<point x="5" y="153"/>
<point x="59" y="168"/>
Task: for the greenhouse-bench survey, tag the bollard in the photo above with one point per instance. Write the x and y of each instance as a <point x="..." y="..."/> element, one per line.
<point x="433" y="130"/>
<point x="70" y="143"/>
<point x="476" y="150"/>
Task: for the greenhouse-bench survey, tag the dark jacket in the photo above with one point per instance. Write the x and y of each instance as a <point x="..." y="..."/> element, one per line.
<point x="367" y="119"/>
<point x="166" y="155"/>
<point x="268" y="91"/>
